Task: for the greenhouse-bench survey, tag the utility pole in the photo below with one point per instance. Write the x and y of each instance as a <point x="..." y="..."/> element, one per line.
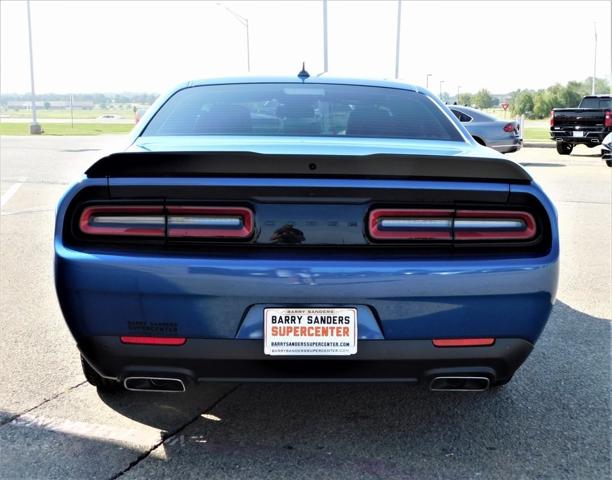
<point x="35" y="128"/>
<point x="245" y="22"/>
<point x="458" y="88"/>
<point x="594" y="60"/>
<point x="441" y="82"/>
<point x="397" y="43"/>
<point x="325" y="64"/>
<point x="427" y="80"/>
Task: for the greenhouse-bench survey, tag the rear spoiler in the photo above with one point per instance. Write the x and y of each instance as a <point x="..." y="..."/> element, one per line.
<point x="199" y="164"/>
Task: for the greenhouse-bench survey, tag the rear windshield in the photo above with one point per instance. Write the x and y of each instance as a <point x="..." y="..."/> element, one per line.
<point x="279" y="109"/>
<point x="594" y="102"/>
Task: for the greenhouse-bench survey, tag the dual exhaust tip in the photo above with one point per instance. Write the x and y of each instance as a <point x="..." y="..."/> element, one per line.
<point x="437" y="384"/>
<point x="459" y="384"/>
<point x="154" y="384"/>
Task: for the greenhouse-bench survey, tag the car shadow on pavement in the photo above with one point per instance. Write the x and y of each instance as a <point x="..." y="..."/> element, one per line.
<point x="551" y="421"/>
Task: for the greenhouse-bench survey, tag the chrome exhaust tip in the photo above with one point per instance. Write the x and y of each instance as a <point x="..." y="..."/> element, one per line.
<point x="154" y="384"/>
<point x="459" y="384"/>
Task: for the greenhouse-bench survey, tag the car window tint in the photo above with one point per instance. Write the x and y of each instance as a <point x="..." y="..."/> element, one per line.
<point x="595" y="102"/>
<point x="280" y="109"/>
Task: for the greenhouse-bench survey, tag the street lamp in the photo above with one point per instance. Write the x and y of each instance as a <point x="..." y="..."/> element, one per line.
<point x="324" y="35"/>
<point x="397" y="42"/>
<point x="427" y="80"/>
<point x="594" y="60"/>
<point x="35" y="128"/>
<point x="441" y="82"/>
<point x="245" y="22"/>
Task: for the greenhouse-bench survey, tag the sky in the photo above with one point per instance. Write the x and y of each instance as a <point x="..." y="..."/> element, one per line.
<point x="149" y="46"/>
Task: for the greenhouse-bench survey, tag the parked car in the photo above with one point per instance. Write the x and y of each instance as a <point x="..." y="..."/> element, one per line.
<point x="606" y="149"/>
<point x="363" y="235"/>
<point x="587" y="125"/>
<point x="487" y="130"/>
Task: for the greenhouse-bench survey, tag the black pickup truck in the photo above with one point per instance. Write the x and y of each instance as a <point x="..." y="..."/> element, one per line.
<point x="588" y="124"/>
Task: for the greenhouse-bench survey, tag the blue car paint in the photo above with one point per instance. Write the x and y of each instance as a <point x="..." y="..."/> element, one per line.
<point x="218" y="297"/>
<point x="208" y="297"/>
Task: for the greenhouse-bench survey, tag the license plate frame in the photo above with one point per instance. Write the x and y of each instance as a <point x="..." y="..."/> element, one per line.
<point x="578" y="134"/>
<point x="329" y="331"/>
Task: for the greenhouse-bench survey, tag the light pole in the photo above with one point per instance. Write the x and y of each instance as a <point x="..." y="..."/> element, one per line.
<point x="245" y="22"/>
<point x="35" y="128"/>
<point x="458" y="88"/>
<point x="397" y="43"/>
<point x="594" y="59"/>
<point x="441" y="82"/>
<point x="324" y="35"/>
<point x="427" y="80"/>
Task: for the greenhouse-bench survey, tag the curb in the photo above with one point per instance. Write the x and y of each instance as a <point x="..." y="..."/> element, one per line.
<point x="539" y="145"/>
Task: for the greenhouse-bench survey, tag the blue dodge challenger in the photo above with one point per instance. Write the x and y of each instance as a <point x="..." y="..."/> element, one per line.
<point x="304" y="229"/>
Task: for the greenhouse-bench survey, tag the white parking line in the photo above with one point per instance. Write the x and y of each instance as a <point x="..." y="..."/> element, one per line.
<point x="10" y="192"/>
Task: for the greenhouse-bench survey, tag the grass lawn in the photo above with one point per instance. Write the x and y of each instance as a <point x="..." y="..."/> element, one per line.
<point x="66" y="129"/>
<point x="42" y="113"/>
<point x="537" y="133"/>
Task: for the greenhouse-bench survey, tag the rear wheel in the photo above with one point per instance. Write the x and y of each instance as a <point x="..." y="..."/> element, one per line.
<point x="609" y="163"/>
<point x="480" y="141"/>
<point x="564" y="148"/>
<point x="98" y="381"/>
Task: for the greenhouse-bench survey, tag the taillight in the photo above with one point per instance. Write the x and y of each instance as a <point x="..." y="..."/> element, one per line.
<point x="210" y="222"/>
<point x="444" y="224"/>
<point x="493" y="225"/>
<point x="509" y="127"/>
<point x="608" y="119"/>
<point x="142" y="221"/>
<point x="173" y="221"/>
<point x="402" y="224"/>
<point x="552" y="118"/>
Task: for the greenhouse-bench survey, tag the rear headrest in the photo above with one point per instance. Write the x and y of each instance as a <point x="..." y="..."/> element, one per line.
<point x="224" y="119"/>
<point x="369" y="121"/>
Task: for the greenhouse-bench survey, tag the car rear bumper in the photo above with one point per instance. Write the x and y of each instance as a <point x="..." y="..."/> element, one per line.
<point x="202" y="360"/>
<point x="589" y="138"/>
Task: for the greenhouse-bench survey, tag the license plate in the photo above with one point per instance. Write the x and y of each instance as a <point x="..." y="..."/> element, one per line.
<point x="310" y="331"/>
<point x="578" y="134"/>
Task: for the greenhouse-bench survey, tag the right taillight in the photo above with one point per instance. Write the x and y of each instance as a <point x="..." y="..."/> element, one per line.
<point x="448" y="225"/>
<point x="493" y="225"/>
<point x="552" y="118"/>
<point x="608" y="119"/>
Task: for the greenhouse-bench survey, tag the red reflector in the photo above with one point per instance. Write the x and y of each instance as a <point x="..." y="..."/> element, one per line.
<point x="410" y="224"/>
<point x="154" y="340"/>
<point x="463" y="342"/>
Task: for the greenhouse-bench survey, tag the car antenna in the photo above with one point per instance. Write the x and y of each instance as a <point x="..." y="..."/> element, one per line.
<point x="303" y="75"/>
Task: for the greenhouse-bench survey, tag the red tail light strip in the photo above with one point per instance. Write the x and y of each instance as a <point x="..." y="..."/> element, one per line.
<point x="175" y="221"/>
<point x="463" y="342"/>
<point x="145" y="221"/>
<point x="154" y="340"/>
<point x="461" y="225"/>
<point x="493" y="225"/>
<point x="210" y="222"/>
<point x="402" y="224"/>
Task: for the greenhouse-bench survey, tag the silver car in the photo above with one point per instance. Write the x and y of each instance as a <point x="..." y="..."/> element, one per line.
<point x="606" y="149"/>
<point x="487" y="130"/>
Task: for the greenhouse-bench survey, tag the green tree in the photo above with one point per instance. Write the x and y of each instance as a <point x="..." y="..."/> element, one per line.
<point x="483" y="99"/>
<point x="522" y="103"/>
<point x="464" y="99"/>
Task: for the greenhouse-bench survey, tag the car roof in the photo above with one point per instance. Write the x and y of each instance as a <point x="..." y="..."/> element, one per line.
<point x="314" y="79"/>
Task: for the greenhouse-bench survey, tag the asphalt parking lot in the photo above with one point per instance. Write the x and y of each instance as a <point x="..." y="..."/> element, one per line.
<point x="551" y="422"/>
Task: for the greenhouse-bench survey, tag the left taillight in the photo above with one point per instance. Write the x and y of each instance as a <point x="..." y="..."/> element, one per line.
<point x="451" y="225"/>
<point x="172" y="221"/>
